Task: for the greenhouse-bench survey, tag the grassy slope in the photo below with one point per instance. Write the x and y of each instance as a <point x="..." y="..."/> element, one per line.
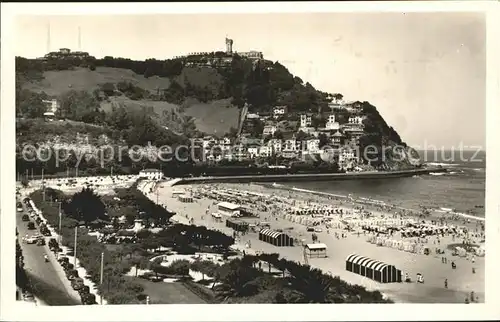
<point x="200" y="76"/>
<point x="213" y="117"/>
<point x="216" y="117"/>
<point x="58" y="82"/>
<point x="167" y="293"/>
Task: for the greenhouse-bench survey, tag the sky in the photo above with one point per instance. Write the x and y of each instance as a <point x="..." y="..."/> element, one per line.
<point x="425" y="72"/>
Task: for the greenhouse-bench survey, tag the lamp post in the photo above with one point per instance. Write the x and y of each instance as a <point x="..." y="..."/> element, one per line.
<point x="74" y="253"/>
<point x="102" y="272"/>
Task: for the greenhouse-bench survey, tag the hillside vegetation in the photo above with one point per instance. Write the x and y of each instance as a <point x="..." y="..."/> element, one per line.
<point x="181" y="97"/>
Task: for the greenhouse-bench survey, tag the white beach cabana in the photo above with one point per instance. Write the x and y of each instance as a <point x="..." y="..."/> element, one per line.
<point x="316" y="250"/>
<point x="229" y="209"/>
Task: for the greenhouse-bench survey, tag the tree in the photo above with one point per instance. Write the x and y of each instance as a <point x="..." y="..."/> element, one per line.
<point x="25" y="182"/>
<point x="108" y="89"/>
<point x="79" y="106"/>
<point x="30" y="104"/>
<point x="338" y="97"/>
<point x="323" y="140"/>
<point x="237" y="280"/>
<point x="278" y="135"/>
<point x="301" y="136"/>
<point x="86" y="206"/>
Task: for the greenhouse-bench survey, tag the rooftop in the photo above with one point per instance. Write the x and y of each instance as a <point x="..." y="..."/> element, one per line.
<point x="229" y="205"/>
<point x="316" y="246"/>
<point x="150" y="170"/>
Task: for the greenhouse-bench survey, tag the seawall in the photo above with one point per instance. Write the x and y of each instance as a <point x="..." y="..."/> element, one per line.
<point x="309" y="177"/>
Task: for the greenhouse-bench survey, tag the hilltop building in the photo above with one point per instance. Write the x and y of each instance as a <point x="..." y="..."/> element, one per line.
<point x="151" y="174"/>
<point x="229" y="53"/>
<point x="229" y="46"/>
<point x="66" y="53"/>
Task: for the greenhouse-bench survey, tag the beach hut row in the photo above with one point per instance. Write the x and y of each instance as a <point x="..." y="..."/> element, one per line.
<point x="237" y="225"/>
<point x="407" y="246"/>
<point x="317" y="211"/>
<point x="372" y="269"/>
<point x="185" y="199"/>
<point x="275" y="238"/>
<point x="306" y="221"/>
<point x="428" y="231"/>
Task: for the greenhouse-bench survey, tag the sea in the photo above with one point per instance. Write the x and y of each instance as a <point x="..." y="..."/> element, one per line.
<point x="461" y="190"/>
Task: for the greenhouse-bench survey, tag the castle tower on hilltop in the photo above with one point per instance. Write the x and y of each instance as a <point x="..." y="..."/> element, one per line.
<point x="229" y="46"/>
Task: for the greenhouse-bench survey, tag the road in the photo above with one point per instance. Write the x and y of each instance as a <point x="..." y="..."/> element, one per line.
<point x="46" y="278"/>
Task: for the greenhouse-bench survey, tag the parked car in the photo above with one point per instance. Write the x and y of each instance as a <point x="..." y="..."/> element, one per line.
<point x="63" y="259"/>
<point x="77" y="283"/>
<point x="71" y="274"/>
<point x="88" y="299"/>
<point x="25" y="218"/>
<point x="31" y="225"/>
<point x="311" y="229"/>
<point x="84" y="290"/>
<point x="53" y="244"/>
<point x="27" y="296"/>
<point x="31" y="240"/>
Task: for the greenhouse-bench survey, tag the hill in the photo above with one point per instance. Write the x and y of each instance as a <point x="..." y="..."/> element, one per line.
<point x="196" y="95"/>
<point x="214" y="117"/>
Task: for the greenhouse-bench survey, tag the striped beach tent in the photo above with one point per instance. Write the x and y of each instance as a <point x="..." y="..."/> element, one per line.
<point x="275" y="238"/>
<point x="375" y="270"/>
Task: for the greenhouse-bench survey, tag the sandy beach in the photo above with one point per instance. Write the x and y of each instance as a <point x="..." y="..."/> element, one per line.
<point x="461" y="281"/>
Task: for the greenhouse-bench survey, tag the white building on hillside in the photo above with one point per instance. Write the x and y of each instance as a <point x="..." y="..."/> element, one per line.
<point x="253" y="151"/>
<point x="313" y="145"/>
<point x="151" y="174"/>
<point x="265" y="151"/>
<point x="51" y="105"/>
<point x="269" y="130"/>
<point x="305" y="120"/>
<point x="276" y="145"/>
<point x="279" y="111"/>
<point x="331" y="125"/>
<point x="252" y="116"/>
<point x="356" y="120"/>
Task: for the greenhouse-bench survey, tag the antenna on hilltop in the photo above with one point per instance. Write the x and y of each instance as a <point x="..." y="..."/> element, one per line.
<point x="79" y="38"/>
<point x="48" y="37"/>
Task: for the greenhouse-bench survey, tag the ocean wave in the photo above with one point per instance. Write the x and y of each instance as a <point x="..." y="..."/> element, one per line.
<point x="461" y="214"/>
<point x="442" y="164"/>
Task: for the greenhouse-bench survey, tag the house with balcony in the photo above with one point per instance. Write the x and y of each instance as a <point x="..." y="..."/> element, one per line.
<point x="354" y="133"/>
<point x="356" y="120"/>
<point x="252" y="116"/>
<point x="305" y="120"/>
<point x="337" y="138"/>
<point x="347" y="158"/>
<point x="51" y="105"/>
<point x="279" y="111"/>
<point x="276" y="145"/>
<point x="331" y="124"/>
<point x="269" y="130"/>
<point x="312" y="145"/>
<point x="265" y="151"/>
<point x="291" y="147"/>
<point x="253" y="151"/>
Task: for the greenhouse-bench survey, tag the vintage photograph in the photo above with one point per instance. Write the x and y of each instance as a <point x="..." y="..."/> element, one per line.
<point x="326" y="157"/>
